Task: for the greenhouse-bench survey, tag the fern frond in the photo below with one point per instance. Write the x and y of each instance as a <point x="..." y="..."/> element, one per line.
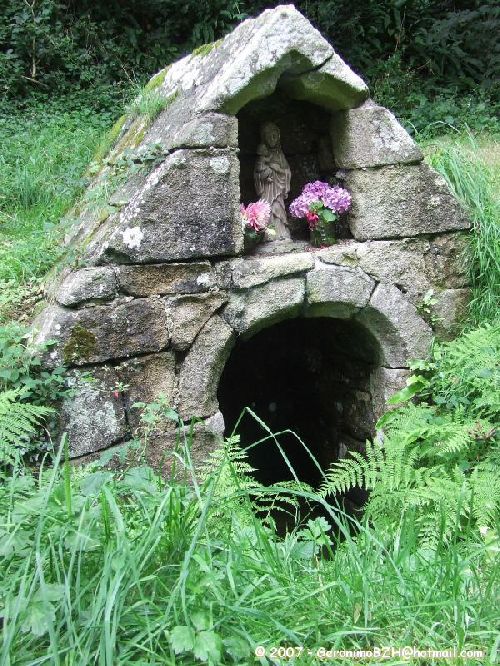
<point x="485" y="491"/>
<point x="18" y="423"/>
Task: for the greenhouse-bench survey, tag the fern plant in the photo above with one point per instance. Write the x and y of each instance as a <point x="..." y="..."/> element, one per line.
<point x="238" y="496"/>
<point x="440" y="458"/>
<point x="19" y="421"/>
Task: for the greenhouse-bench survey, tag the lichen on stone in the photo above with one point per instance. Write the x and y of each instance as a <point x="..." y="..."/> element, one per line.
<point x="80" y="345"/>
<point x="132" y="137"/>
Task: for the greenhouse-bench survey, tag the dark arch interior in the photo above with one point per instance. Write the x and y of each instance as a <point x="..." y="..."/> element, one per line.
<point x="305" y="140"/>
<point x="312" y="376"/>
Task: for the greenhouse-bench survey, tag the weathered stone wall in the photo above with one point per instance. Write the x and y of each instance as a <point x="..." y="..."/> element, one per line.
<point x="169" y="328"/>
<point x="159" y="290"/>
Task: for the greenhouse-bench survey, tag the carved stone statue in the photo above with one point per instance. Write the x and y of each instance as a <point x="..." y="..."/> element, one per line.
<point x="272" y="177"/>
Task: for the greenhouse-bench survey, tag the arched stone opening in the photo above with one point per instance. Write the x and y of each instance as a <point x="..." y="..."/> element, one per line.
<point x="315" y="376"/>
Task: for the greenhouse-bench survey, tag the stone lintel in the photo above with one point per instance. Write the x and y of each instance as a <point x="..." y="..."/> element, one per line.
<point x="267" y="304"/>
<point x="250" y="272"/>
<point x="337" y="291"/>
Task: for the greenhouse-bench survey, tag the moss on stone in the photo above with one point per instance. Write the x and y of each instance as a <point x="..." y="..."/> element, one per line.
<point x="109" y="139"/>
<point x="157" y="80"/>
<point x="80" y="345"/>
<point x="205" y="49"/>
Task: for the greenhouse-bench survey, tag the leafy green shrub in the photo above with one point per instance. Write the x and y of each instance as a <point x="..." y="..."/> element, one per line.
<point x="443" y="49"/>
<point x="58" y="45"/>
<point x="426" y="113"/>
<point x="26" y="388"/>
<point x="440" y="457"/>
<point x="21" y="368"/>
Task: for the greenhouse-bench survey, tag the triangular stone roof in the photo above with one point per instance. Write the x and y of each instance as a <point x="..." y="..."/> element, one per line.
<point x="250" y="61"/>
<point x="202" y="93"/>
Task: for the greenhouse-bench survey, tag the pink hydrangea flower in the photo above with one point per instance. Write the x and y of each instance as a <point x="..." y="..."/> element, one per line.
<point x="256" y="215"/>
<point x="337" y="199"/>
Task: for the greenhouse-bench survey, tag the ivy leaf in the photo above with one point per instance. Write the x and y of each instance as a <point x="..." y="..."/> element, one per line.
<point x="208" y="647"/>
<point x="182" y="639"/>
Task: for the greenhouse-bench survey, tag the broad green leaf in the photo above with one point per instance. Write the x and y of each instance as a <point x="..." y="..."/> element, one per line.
<point x="327" y="215"/>
<point x="415" y="384"/>
<point x="38" y="617"/>
<point x="17" y="541"/>
<point x="208" y="647"/>
<point x="237" y="648"/>
<point x="92" y="483"/>
<point x="201" y="620"/>
<point x="140" y="478"/>
<point x="49" y="592"/>
<point x="182" y="639"/>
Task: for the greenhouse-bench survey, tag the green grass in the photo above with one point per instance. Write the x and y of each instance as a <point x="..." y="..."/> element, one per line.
<point x="149" y="104"/>
<point x="43" y="156"/>
<point x="115" y="569"/>
<point x="471" y="167"/>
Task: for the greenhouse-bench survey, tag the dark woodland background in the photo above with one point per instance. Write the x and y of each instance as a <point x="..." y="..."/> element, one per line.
<point x="429" y="61"/>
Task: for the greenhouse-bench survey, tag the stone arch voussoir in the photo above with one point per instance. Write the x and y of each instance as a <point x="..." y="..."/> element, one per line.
<point x="327" y="291"/>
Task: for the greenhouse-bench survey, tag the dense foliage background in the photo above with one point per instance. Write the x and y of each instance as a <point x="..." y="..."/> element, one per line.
<point x="444" y="52"/>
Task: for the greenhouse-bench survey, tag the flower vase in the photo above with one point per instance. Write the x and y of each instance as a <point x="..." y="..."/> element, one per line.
<point x="323" y="235"/>
<point x="252" y="239"/>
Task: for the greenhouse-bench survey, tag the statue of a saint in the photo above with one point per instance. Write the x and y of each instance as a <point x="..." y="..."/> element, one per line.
<point x="272" y="177"/>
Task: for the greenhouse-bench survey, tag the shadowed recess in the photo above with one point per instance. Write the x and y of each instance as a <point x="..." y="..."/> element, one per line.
<point x="311" y="376"/>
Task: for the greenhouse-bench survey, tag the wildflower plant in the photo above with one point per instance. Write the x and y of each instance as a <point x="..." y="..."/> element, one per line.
<point x="321" y="205"/>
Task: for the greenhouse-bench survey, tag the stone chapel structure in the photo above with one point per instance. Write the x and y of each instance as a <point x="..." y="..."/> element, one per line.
<point x="159" y="296"/>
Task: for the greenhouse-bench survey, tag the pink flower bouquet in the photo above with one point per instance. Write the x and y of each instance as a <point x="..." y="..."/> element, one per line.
<point x="321" y="205"/>
<point x="255" y="217"/>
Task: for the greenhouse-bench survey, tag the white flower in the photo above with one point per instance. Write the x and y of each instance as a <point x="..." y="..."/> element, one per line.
<point x="132" y="237"/>
<point x="483" y="530"/>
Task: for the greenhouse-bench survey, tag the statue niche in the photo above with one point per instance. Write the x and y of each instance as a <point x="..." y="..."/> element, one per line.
<point x="272" y="178"/>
